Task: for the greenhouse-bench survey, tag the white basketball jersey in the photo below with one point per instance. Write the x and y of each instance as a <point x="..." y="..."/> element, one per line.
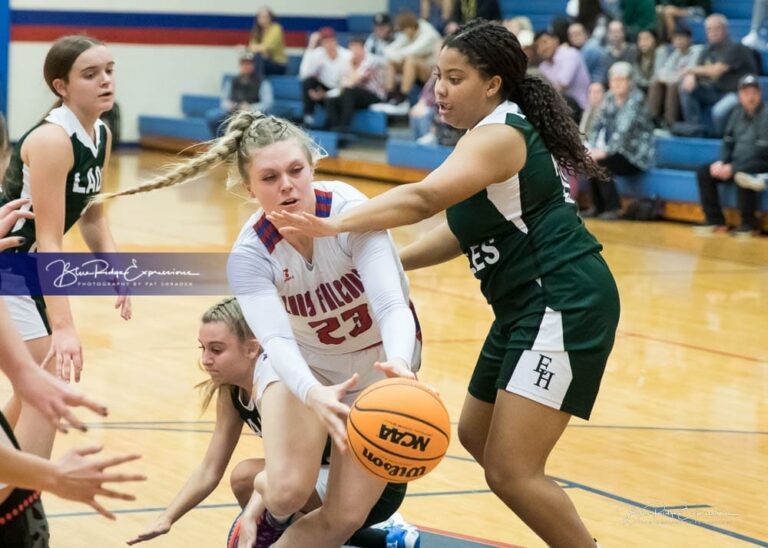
<point x="326" y="302"/>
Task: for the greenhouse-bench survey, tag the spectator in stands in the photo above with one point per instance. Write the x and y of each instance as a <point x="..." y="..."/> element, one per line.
<point x="709" y="88"/>
<point x="585" y="12"/>
<point x="422" y="115"/>
<point x="595" y="98"/>
<point x="670" y="12"/>
<point x="649" y="55"/>
<point x="755" y="39"/>
<point x="361" y="86"/>
<point x="241" y="92"/>
<point x="664" y="90"/>
<point x="410" y="57"/>
<point x="563" y="66"/>
<point x="382" y="35"/>
<point x="322" y="68"/>
<point x="268" y="44"/>
<point x="638" y="15"/>
<point x="523" y="28"/>
<point x="589" y="48"/>
<point x="437" y="12"/>
<point x="743" y="156"/>
<point x="616" y="49"/>
<point x="463" y="12"/>
<point x="621" y="139"/>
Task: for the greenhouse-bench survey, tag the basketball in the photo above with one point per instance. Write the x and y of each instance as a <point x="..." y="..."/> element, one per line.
<point x="398" y="429"/>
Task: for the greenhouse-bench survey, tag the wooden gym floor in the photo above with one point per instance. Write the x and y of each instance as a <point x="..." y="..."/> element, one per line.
<point x="676" y="453"/>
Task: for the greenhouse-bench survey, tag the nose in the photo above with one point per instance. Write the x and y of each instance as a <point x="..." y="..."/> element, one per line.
<point x="440" y="89"/>
<point x="206" y="358"/>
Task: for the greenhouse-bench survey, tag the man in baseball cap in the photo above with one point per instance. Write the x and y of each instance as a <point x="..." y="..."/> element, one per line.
<point x="743" y="160"/>
<point x="382" y="35"/>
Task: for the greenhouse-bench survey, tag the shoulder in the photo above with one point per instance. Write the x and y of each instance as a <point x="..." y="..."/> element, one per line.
<point x="50" y="140"/>
<point x="248" y="239"/>
<point x="341" y="195"/>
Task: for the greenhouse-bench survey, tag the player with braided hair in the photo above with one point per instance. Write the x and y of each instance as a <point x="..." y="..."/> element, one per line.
<point x="509" y="210"/>
<point x="331" y="314"/>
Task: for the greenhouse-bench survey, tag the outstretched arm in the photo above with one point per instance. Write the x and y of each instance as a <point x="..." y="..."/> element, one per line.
<point x="206" y="476"/>
<point x="487" y="155"/>
<point x="75" y="476"/>
<point x="437" y="246"/>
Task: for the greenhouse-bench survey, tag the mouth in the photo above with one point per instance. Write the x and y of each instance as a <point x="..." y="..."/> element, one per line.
<point x="289" y="202"/>
<point x="106" y="95"/>
<point x="442" y="108"/>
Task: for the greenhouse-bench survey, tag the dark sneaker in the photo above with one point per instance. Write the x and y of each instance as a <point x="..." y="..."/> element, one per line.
<point x="269" y="530"/>
<point x="751" y="182"/>
<point x="233" y="537"/>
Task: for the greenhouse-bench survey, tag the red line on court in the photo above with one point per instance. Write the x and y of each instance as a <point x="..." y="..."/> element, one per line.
<point x="692" y="346"/>
<point x="467" y="537"/>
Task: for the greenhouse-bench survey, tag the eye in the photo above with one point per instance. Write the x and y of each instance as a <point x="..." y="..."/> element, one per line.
<point x="454" y="81"/>
<point x="297" y="169"/>
<point x="269" y="178"/>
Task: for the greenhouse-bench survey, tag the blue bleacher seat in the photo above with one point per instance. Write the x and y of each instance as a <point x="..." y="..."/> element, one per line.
<point x="550" y="8"/>
<point x="734" y="9"/>
<point x="286" y="87"/>
<point x="676" y="186"/>
<point x="197" y="105"/>
<point x="368" y="122"/>
<point x="685" y="153"/>
<point x="193" y="129"/>
<point x="294" y="62"/>
<point x="360" y="24"/>
<point x="404" y="153"/>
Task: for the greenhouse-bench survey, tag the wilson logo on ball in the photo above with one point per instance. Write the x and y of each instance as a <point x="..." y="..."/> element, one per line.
<point x="394" y="470"/>
<point x="404" y="439"/>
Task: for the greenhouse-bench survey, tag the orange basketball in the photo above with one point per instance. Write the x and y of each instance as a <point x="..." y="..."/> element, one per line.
<point x="398" y="429"/>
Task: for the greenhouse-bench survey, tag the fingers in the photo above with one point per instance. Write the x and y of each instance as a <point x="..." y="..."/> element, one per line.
<point x="8" y="243"/>
<point x="77" y="362"/>
<point x="101" y="510"/>
<point x="115" y="477"/>
<point x="116" y="461"/>
<point x="70" y="419"/>
<point x="62" y="370"/>
<point x="115" y="494"/>
<point x="348" y="384"/>
<point x="88" y="450"/>
<point x="78" y="400"/>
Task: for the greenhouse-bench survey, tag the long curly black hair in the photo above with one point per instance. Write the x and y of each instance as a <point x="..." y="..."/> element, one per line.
<point x="493" y="50"/>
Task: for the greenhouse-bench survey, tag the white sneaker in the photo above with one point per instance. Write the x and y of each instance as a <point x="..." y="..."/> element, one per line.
<point x="400" y="109"/>
<point x="751" y="182"/>
<point x="427" y="139"/>
<point x="754" y="40"/>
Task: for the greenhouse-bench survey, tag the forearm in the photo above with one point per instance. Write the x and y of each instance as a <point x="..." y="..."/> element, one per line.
<point x="196" y="490"/>
<point x="96" y="231"/>
<point x="403" y="205"/>
<point x="25" y="470"/>
<point x="437" y="246"/>
<point x="14" y="356"/>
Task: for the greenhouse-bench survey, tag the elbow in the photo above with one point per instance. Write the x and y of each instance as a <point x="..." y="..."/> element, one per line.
<point x="426" y="203"/>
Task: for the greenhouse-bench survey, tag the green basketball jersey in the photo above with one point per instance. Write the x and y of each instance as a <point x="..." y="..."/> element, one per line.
<point x="83" y="180"/>
<point x="520" y="229"/>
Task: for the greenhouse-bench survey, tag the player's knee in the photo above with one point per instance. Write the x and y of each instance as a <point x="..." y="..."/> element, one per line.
<point x="472" y="441"/>
<point x="343" y="521"/>
<point x="241" y="482"/>
<point x="508" y="478"/>
<point x="287" y="495"/>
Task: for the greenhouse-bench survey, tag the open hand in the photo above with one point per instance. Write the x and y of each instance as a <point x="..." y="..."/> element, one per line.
<point x="325" y="401"/>
<point x="303" y="223"/>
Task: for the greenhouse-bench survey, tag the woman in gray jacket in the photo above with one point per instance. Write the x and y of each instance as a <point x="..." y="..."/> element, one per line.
<point x="621" y="139"/>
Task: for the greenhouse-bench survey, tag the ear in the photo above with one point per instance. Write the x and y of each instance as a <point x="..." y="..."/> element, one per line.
<point x="253" y="349"/>
<point x="493" y="86"/>
<point x="61" y="87"/>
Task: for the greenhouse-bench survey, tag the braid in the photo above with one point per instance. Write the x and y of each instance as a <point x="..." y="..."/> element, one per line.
<point x="493" y="50"/>
<point x="245" y="132"/>
<point x="220" y="151"/>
